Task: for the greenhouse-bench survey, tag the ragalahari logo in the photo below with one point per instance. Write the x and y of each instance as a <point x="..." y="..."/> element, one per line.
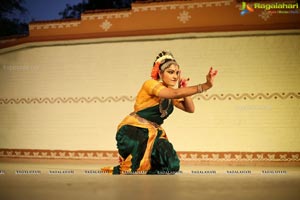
<point x="246" y="8"/>
<point x="279" y="8"/>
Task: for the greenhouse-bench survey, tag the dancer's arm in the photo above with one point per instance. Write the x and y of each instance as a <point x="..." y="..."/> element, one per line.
<point x="170" y="93"/>
<point x="186" y="104"/>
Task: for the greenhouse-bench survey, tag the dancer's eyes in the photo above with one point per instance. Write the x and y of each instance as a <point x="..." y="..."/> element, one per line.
<point x="173" y="71"/>
<point x="170" y="71"/>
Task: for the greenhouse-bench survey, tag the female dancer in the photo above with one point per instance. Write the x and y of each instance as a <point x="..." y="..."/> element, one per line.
<point x="142" y="143"/>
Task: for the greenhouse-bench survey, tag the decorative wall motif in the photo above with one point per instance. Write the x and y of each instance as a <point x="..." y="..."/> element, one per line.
<point x="54" y="25"/>
<point x="265" y="15"/>
<point x="57" y="154"/>
<point x="58" y="100"/>
<point x="115" y="15"/>
<point x="247" y="96"/>
<point x="184" y="156"/>
<point x="240" y="156"/>
<point x="191" y="5"/>
<point x="106" y="25"/>
<point x="184" y="16"/>
<point x="206" y="97"/>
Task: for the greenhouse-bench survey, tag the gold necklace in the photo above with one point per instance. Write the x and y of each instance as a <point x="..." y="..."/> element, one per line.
<point x="164" y="112"/>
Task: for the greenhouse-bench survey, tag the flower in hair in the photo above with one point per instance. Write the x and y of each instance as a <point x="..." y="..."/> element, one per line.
<point x="155" y="71"/>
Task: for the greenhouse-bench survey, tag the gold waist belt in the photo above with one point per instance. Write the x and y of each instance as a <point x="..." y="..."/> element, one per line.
<point x="143" y="120"/>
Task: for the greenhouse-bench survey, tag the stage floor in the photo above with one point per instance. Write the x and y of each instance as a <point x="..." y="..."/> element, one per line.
<point x="47" y="180"/>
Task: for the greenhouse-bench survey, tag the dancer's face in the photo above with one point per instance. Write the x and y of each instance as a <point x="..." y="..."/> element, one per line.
<point x="170" y="75"/>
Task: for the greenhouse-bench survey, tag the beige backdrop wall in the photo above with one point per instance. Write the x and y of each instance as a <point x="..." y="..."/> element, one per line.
<point x="71" y="95"/>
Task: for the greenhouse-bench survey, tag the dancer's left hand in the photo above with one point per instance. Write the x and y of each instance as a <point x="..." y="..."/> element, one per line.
<point x="211" y="76"/>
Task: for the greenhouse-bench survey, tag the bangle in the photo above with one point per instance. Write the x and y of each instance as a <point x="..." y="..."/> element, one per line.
<point x="199" y="88"/>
